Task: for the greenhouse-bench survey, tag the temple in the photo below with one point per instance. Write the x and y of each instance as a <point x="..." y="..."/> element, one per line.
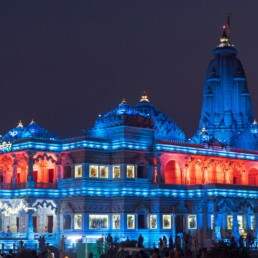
<point x="135" y="172"/>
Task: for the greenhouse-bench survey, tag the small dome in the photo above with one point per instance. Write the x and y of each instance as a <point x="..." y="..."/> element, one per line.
<point x="165" y="127"/>
<point x="124" y="114"/>
<point x="144" y="115"/>
<point x="33" y="130"/>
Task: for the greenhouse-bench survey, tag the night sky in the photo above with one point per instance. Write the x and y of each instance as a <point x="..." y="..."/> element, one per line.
<point x="63" y="62"/>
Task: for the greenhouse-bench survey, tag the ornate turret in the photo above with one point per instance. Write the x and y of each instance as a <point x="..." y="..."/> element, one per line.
<point x="227" y="108"/>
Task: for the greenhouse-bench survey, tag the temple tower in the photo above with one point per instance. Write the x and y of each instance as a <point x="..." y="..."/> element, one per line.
<point x="227" y="109"/>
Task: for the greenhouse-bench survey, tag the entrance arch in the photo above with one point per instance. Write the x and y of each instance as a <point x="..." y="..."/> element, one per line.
<point x="172" y="173"/>
<point x="253" y="176"/>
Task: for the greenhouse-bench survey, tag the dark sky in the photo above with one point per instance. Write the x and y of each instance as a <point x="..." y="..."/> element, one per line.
<point x="64" y="62"/>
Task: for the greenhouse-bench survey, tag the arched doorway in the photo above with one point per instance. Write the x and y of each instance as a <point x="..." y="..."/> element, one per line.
<point x="253" y="176"/>
<point x="172" y="173"/>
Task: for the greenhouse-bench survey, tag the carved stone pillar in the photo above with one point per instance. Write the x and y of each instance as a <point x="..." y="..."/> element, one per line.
<point x="217" y="222"/>
<point x="14" y="176"/>
<point x="187" y="176"/>
<point x="205" y="175"/>
<point x="30" y="176"/>
<point x="30" y="230"/>
<point x="159" y="178"/>
<point x="256" y="225"/>
<point x="58" y="170"/>
<point x="235" y="231"/>
<point x="57" y="227"/>
<point x="173" y="227"/>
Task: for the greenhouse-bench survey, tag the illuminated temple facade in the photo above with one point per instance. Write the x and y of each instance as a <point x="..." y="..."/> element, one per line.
<point x="135" y="172"/>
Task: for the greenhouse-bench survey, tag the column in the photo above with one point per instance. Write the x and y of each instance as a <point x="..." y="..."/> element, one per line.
<point x="30" y="230"/>
<point x="14" y="176"/>
<point x="173" y="218"/>
<point x="58" y="171"/>
<point x="57" y="228"/>
<point x="187" y="177"/>
<point x="235" y="231"/>
<point x="256" y="225"/>
<point x="247" y="219"/>
<point x="200" y="229"/>
<point x="217" y="222"/>
<point x="30" y="176"/>
<point x="205" y="175"/>
<point x="159" y="178"/>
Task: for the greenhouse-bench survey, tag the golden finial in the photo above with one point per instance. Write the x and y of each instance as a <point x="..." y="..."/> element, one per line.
<point x="32" y="121"/>
<point x="144" y="97"/>
<point x="224" y="38"/>
<point x="20" y="124"/>
<point x="254" y="122"/>
<point x="123" y="101"/>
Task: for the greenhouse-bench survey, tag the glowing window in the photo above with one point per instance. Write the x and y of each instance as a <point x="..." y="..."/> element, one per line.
<point x="166" y="221"/>
<point x="116" y="171"/>
<point x="252" y="222"/>
<point x="93" y="171"/>
<point x="192" y="222"/>
<point x="116" y="221"/>
<point x="130" y="172"/>
<point x="78" y="171"/>
<point x="229" y="221"/>
<point x="98" y="221"/>
<point x="240" y="221"/>
<point x="212" y="221"/>
<point x="78" y="221"/>
<point x="130" y="221"/>
<point x="153" y="222"/>
<point x="103" y="171"/>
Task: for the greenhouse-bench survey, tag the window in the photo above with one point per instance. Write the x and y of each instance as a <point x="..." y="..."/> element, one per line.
<point x="212" y="221"/>
<point x="240" y="221"/>
<point x="192" y="222"/>
<point x="116" y="221"/>
<point x="116" y="171"/>
<point x="93" y="171"/>
<point x="229" y="222"/>
<point x="130" y="221"/>
<point x="130" y="171"/>
<point x="166" y="221"/>
<point x="103" y="171"/>
<point x="252" y="222"/>
<point x="153" y="221"/>
<point x="98" y="221"/>
<point x="78" y="221"/>
<point x="78" y="171"/>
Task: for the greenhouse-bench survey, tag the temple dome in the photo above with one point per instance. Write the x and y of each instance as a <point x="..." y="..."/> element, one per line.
<point x="31" y="131"/>
<point x="165" y="127"/>
<point x="123" y="114"/>
<point x="143" y="115"/>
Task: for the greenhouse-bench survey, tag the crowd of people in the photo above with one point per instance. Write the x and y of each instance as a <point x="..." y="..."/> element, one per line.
<point x="27" y="254"/>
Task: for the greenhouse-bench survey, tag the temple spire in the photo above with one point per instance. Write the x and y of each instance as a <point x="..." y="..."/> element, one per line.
<point x="225" y="37"/>
<point x="228" y="25"/>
